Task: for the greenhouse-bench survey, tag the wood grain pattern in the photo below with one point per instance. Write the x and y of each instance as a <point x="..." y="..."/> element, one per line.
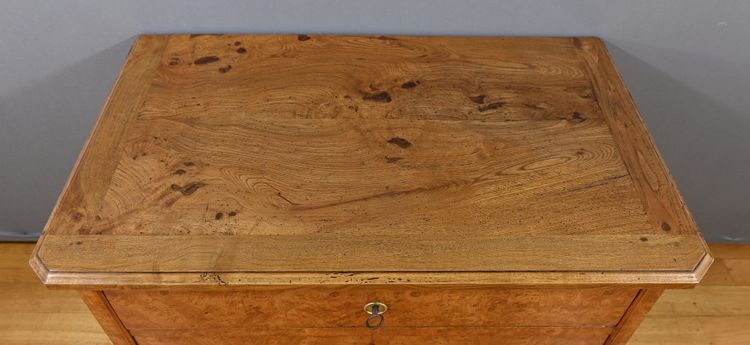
<point x="341" y="306"/>
<point x="693" y="330"/>
<point x="89" y="182"/>
<point x="521" y="157"/>
<point x="262" y="253"/>
<point x="665" y="207"/>
<point x="716" y="314"/>
<point x="248" y="178"/>
<point x="391" y="336"/>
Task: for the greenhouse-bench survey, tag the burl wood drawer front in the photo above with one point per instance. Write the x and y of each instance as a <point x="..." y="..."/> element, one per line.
<point x="313" y="307"/>
<point x="389" y="336"/>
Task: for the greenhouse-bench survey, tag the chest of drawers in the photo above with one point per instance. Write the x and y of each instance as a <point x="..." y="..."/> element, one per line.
<point x="303" y="189"/>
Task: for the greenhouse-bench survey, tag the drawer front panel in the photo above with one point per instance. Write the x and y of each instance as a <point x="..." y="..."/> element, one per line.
<point x="408" y="306"/>
<point x="390" y="336"/>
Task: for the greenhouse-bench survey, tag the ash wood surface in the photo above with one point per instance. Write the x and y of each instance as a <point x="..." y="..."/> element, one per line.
<point x="523" y="158"/>
<point x="665" y="208"/>
<point x="270" y="253"/>
<point x="327" y="307"/>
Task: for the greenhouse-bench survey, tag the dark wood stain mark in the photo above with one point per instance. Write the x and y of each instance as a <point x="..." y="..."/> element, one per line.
<point x="241" y="50"/>
<point x="232" y="213"/>
<point x="206" y="59"/>
<point x="174" y="61"/>
<point x="218" y="215"/>
<point x="400" y="142"/>
<point x="644" y="239"/>
<point x="576" y="116"/>
<point x="180" y="172"/>
<point x="191" y="188"/>
<point x="491" y="106"/>
<point x="188" y="164"/>
<point x="188" y="189"/>
<point x="392" y="160"/>
<point x="303" y="37"/>
<point x="665" y="226"/>
<point x="410" y="84"/>
<point x="237" y="43"/>
<point x="76" y="216"/>
<point x="380" y="96"/>
<point x="478" y="99"/>
<point x="225" y="69"/>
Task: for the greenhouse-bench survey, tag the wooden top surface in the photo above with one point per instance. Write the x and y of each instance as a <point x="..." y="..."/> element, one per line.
<point x="285" y="159"/>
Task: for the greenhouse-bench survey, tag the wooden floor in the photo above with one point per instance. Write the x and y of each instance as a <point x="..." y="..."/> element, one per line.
<point x="716" y="313"/>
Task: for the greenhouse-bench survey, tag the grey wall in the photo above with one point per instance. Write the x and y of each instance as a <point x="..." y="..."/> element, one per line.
<point x="687" y="64"/>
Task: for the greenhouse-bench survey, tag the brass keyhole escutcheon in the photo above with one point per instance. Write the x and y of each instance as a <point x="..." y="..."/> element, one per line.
<point x="376" y="319"/>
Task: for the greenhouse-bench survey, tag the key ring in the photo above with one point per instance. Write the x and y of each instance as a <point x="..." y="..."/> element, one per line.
<point x="376" y="310"/>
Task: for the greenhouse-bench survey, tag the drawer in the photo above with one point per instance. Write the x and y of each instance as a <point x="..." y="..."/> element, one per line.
<point x="390" y="336"/>
<point x="342" y="306"/>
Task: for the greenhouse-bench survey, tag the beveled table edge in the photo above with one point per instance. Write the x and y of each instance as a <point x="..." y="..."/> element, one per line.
<point x="240" y="280"/>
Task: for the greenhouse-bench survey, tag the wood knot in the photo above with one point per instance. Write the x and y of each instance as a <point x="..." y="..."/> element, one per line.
<point x="380" y="96"/>
<point x="206" y="59"/>
<point x="400" y="142"/>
